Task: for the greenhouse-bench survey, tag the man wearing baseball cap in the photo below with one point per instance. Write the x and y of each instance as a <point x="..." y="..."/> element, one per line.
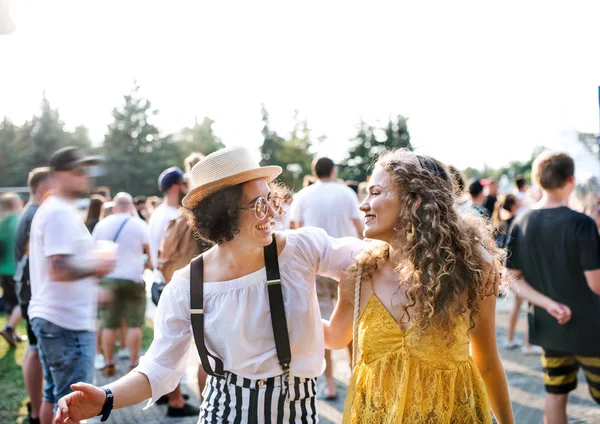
<point x="63" y="271"/>
<point x="172" y="184"/>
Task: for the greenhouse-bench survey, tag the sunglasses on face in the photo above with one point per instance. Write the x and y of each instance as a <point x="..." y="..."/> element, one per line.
<point x="261" y="206"/>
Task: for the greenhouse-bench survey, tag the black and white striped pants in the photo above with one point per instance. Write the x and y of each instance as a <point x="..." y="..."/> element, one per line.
<point x="276" y="400"/>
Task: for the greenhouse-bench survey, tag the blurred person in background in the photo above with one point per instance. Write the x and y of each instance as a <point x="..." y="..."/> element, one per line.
<point x="140" y="207"/>
<point x="554" y="258"/>
<point x="108" y="209"/>
<point x="503" y="218"/>
<point x="492" y="196"/>
<point x="64" y="268"/>
<point x="332" y="206"/>
<point x="172" y="184"/>
<point x="11" y="205"/>
<point x="39" y="188"/>
<point x="152" y="203"/>
<point x="125" y="282"/>
<point x="477" y="198"/>
<point x="95" y="211"/>
<point x="521" y="193"/>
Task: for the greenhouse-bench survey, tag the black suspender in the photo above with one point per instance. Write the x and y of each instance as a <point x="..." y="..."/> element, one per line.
<point x="197" y="310"/>
<point x="278" y="320"/>
<point x="280" y="330"/>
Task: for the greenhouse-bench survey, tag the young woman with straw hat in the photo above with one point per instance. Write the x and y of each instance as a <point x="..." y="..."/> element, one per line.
<point x="249" y="304"/>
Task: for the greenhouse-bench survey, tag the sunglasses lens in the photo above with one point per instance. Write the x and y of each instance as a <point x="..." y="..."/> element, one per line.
<point x="276" y="203"/>
<point x="261" y="208"/>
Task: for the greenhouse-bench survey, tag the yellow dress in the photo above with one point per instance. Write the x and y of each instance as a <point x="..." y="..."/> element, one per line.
<point x="403" y="378"/>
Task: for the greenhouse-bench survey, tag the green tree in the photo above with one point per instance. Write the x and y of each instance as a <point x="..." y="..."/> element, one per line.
<point x="200" y="138"/>
<point x="369" y="142"/>
<point x="47" y="135"/>
<point x="292" y="154"/>
<point x="134" y="150"/>
<point x="14" y="148"/>
<point x="80" y="137"/>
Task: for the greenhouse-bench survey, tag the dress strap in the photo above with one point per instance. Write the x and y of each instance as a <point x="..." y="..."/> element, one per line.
<point x="356" y="310"/>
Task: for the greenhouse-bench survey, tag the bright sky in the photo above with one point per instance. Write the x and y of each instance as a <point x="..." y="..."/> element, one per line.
<point x="481" y="83"/>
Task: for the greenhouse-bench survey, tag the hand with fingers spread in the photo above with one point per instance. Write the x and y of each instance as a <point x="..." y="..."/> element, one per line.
<point x="561" y="312"/>
<point x="85" y="402"/>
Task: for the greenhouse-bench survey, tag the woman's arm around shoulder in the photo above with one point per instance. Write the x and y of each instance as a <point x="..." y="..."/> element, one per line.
<point x="484" y="351"/>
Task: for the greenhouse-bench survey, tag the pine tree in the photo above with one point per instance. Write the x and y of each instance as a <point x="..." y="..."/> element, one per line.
<point x="47" y="135"/>
<point x="134" y="150"/>
<point x="14" y="149"/>
<point x="293" y="154"/>
<point x="366" y="147"/>
<point x="200" y="138"/>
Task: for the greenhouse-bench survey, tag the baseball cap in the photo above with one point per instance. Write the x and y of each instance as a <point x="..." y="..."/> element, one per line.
<point x="69" y="157"/>
<point x="168" y="177"/>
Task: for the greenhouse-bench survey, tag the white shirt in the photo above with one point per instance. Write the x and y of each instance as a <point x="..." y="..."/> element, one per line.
<point x="328" y="205"/>
<point x="57" y="229"/>
<point x="131" y="241"/>
<point x="158" y="223"/>
<point x="237" y="319"/>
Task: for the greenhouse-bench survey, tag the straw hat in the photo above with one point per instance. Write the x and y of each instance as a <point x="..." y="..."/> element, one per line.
<point x="225" y="168"/>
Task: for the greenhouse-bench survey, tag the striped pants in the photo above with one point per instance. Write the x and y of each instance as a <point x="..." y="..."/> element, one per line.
<point x="276" y="400"/>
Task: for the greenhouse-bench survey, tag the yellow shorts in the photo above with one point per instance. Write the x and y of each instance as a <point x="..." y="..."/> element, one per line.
<point x="561" y="369"/>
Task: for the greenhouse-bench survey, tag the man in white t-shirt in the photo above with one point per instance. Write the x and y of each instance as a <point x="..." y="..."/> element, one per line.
<point x="332" y="206"/>
<point x="63" y="272"/>
<point x="125" y="282"/>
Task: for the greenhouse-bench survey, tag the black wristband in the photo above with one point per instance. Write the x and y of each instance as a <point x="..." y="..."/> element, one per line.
<point x="108" y="405"/>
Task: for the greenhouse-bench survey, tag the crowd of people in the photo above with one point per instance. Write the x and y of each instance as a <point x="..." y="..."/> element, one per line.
<point x="403" y="271"/>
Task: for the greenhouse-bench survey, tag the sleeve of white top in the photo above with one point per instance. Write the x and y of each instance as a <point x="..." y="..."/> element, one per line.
<point x="328" y="256"/>
<point x="165" y="361"/>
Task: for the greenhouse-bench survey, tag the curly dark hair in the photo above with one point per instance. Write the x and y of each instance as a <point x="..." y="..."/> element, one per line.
<point x="215" y="218"/>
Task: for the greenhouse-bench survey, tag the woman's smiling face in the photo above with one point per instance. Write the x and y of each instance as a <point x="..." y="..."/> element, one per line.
<point x="252" y="229"/>
<point x="381" y="207"/>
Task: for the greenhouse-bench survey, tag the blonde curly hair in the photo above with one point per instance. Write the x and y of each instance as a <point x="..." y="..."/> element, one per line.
<point x="437" y="252"/>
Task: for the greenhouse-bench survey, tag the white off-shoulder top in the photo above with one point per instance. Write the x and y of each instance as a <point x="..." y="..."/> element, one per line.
<point x="237" y="319"/>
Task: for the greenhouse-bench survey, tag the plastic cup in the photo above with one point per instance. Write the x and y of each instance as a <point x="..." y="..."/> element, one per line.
<point x="106" y="249"/>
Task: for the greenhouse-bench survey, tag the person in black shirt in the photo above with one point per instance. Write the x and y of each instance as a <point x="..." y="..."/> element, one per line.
<point x="492" y="197"/>
<point x="554" y="256"/>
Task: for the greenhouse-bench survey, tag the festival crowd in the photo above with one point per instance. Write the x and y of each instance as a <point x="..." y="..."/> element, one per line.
<point x="403" y="270"/>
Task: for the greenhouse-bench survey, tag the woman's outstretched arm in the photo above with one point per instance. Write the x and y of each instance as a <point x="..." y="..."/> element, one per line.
<point x="87" y="400"/>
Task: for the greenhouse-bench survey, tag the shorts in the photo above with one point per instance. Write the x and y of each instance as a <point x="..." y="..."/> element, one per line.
<point x="280" y="399"/>
<point x="128" y="302"/>
<point x="67" y="357"/>
<point x="327" y="293"/>
<point x="9" y="293"/>
<point x="560" y="372"/>
<point x="30" y="334"/>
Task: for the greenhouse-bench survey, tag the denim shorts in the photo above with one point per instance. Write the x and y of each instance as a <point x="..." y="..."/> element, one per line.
<point x="67" y="357"/>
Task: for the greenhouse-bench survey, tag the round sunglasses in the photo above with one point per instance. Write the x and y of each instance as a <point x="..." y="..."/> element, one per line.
<point x="261" y="206"/>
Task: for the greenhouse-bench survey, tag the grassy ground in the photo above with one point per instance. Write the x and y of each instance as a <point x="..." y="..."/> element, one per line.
<point x="13" y="401"/>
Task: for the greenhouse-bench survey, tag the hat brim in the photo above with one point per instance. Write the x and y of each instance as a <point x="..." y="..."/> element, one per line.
<point x="87" y="161"/>
<point x="269" y="173"/>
